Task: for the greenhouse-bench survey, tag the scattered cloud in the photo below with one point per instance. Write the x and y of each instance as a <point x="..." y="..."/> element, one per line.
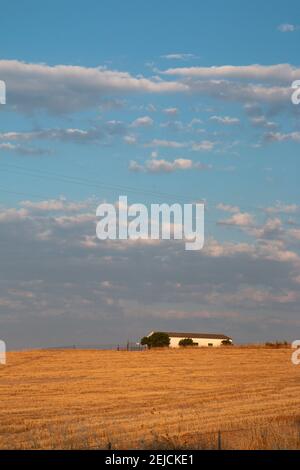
<point x="279" y="72"/>
<point x="144" y="121"/>
<point x="178" y="56"/>
<point x="287" y="28"/>
<point x="203" y="146"/>
<point x="263" y="122"/>
<point x="130" y="139"/>
<point x="227" y="208"/>
<point x="22" y="150"/>
<point x="269" y="85"/>
<point x="64" y="89"/>
<point x="92" y="135"/>
<point x="166" y="166"/>
<point x="79" y="272"/>
<point x="282" y="137"/>
<point x="166" y="144"/>
<point x="171" y="111"/>
<point x="227" y="120"/>
<point x="271" y="229"/>
<point x="280" y="207"/>
<point x="239" y="219"/>
<point x="54" y="205"/>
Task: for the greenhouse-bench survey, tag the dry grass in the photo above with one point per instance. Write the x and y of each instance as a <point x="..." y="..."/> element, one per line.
<point x="150" y="399"/>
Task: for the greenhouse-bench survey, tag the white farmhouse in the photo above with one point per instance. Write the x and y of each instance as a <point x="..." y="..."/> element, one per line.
<point x="200" y="339"/>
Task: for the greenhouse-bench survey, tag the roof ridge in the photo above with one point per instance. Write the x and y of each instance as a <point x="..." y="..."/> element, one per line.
<point x="195" y="335"/>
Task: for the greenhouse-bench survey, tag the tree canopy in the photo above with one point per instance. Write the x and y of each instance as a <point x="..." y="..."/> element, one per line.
<point x="156" y="340"/>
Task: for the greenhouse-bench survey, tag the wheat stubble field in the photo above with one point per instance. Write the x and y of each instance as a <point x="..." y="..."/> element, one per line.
<point x="53" y="399"/>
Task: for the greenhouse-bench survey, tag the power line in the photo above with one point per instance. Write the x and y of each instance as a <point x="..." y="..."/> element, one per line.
<point x="96" y="184"/>
<point x="17" y="169"/>
<point x="20" y="193"/>
<point x="81" y="181"/>
<point x="207" y="217"/>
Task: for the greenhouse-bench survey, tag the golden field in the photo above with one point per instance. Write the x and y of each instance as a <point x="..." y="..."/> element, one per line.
<point x="55" y="399"/>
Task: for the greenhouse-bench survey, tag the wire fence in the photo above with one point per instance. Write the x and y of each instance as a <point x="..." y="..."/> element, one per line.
<point x="272" y="436"/>
<point x="128" y="346"/>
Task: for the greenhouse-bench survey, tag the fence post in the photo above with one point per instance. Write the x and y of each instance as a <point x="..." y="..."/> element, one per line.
<point x="219" y="440"/>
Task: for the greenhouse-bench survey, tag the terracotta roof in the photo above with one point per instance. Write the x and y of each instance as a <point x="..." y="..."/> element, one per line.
<point x="195" y="335"/>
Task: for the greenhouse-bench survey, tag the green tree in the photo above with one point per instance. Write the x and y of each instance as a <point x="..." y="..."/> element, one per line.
<point x="156" y="340"/>
<point x="186" y="342"/>
<point x="145" y="341"/>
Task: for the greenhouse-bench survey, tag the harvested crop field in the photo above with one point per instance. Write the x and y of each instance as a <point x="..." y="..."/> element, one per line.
<point x="150" y="399"/>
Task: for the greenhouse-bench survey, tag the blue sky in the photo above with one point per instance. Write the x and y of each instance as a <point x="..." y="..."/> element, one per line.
<point x="165" y="102"/>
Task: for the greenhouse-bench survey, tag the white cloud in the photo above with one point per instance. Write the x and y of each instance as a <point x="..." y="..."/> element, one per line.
<point x="271" y="229"/>
<point x="171" y="111"/>
<point x="93" y="134"/>
<point x="22" y="150"/>
<point x="227" y="208"/>
<point x="67" y="88"/>
<point x="282" y="137"/>
<point x="294" y="233"/>
<point x="144" y="121"/>
<point x="53" y="205"/>
<point x="214" y="249"/>
<point x="287" y="28"/>
<point x="279" y="72"/>
<point x="266" y="84"/>
<point x="166" y="166"/>
<point x="262" y="122"/>
<point x="13" y="215"/>
<point x="130" y="139"/>
<point x="234" y="91"/>
<point x="178" y="56"/>
<point x="203" y="146"/>
<point x="166" y="144"/>
<point x="227" y="120"/>
<point x="179" y="126"/>
<point x="239" y="219"/>
<point x="283" y="208"/>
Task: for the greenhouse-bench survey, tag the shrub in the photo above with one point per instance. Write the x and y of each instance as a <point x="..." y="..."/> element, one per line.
<point x="277" y="344"/>
<point x="186" y="342"/>
<point x="226" y="342"/>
